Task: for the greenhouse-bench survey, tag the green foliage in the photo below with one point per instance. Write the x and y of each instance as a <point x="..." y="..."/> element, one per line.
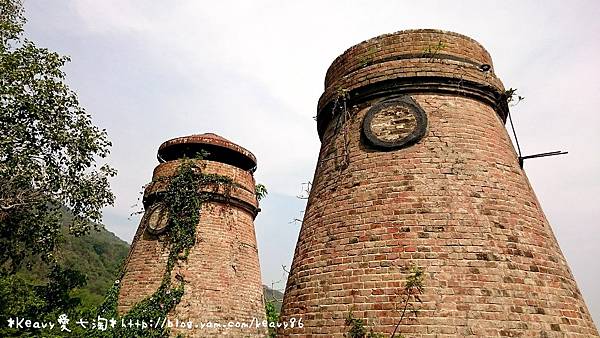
<point x="45" y="291"/>
<point x="413" y="288"/>
<point x="48" y="149"/>
<point x="56" y="293"/>
<point x="99" y="256"/>
<point x="40" y="302"/>
<point x="11" y="21"/>
<point x="512" y="98"/>
<point x="156" y="306"/>
<point x="18" y="298"/>
<point x="273" y="296"/>
<point x="183" y="199"/>
<point x="367" y="58"/>
<point x="30" y="294"/>
<point x="357" y="328"/>
<point x="272" y="317"/>
<point x="432" y="51"/>
<point x="261" y="191"/>
<point x="414" y="282"/>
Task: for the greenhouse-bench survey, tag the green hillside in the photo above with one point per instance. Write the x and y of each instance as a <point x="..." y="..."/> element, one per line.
<point x="273" y="296"/>
<point x="97" y="255"/>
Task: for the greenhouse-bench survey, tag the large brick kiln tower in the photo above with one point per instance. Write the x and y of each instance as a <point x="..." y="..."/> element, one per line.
<point x="221" y="273"/>
<point x="417" y="169"/>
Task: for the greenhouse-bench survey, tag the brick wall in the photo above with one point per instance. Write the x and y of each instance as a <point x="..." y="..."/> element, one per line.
<point x="222" y="272"/>
<point x="455" y="203"/>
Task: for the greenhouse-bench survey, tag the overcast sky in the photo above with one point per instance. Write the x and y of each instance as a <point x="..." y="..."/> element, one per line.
<point x="252" y="71"/>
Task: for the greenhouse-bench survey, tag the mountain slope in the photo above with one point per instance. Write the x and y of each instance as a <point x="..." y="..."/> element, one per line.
<point x="274" y="296"/>
<point x="98" y="255"/>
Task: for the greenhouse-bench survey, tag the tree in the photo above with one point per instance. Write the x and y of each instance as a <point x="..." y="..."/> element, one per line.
<point x="48" y="149"/>
<point x="20" y="298"/>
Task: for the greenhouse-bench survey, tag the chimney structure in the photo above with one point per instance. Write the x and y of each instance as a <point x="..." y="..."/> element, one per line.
<point x="416" y="169"/>
<point x="221" y="274"/>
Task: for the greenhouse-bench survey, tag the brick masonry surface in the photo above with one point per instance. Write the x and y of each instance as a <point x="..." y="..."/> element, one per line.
<point x="222" y="272"/>
<point x="456" y="203"/>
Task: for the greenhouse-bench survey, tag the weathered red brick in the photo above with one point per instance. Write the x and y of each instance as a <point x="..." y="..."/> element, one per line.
<point x="456" y="203"/>
<point x="222" y="272"/>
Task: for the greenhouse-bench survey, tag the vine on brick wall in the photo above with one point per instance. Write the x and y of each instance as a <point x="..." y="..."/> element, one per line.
<point x="432" y="50"/>
<point x="183" y="199"/>
<point x="357" y="329"/>
<point x="413" y="288"/>
<point x="341" y="104"/>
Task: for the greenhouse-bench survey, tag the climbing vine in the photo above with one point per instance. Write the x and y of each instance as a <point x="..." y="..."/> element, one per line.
<point x="183" y="198"/>
<point x="341" y="115"/>
<point x="432" y="51"/>
<point x="413" y="288"/>
<point x="357" y="329"/>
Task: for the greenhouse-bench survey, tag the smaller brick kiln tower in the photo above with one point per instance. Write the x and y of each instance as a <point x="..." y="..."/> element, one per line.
<point x="222" y="273"/>
<point x="417" y="169"/>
